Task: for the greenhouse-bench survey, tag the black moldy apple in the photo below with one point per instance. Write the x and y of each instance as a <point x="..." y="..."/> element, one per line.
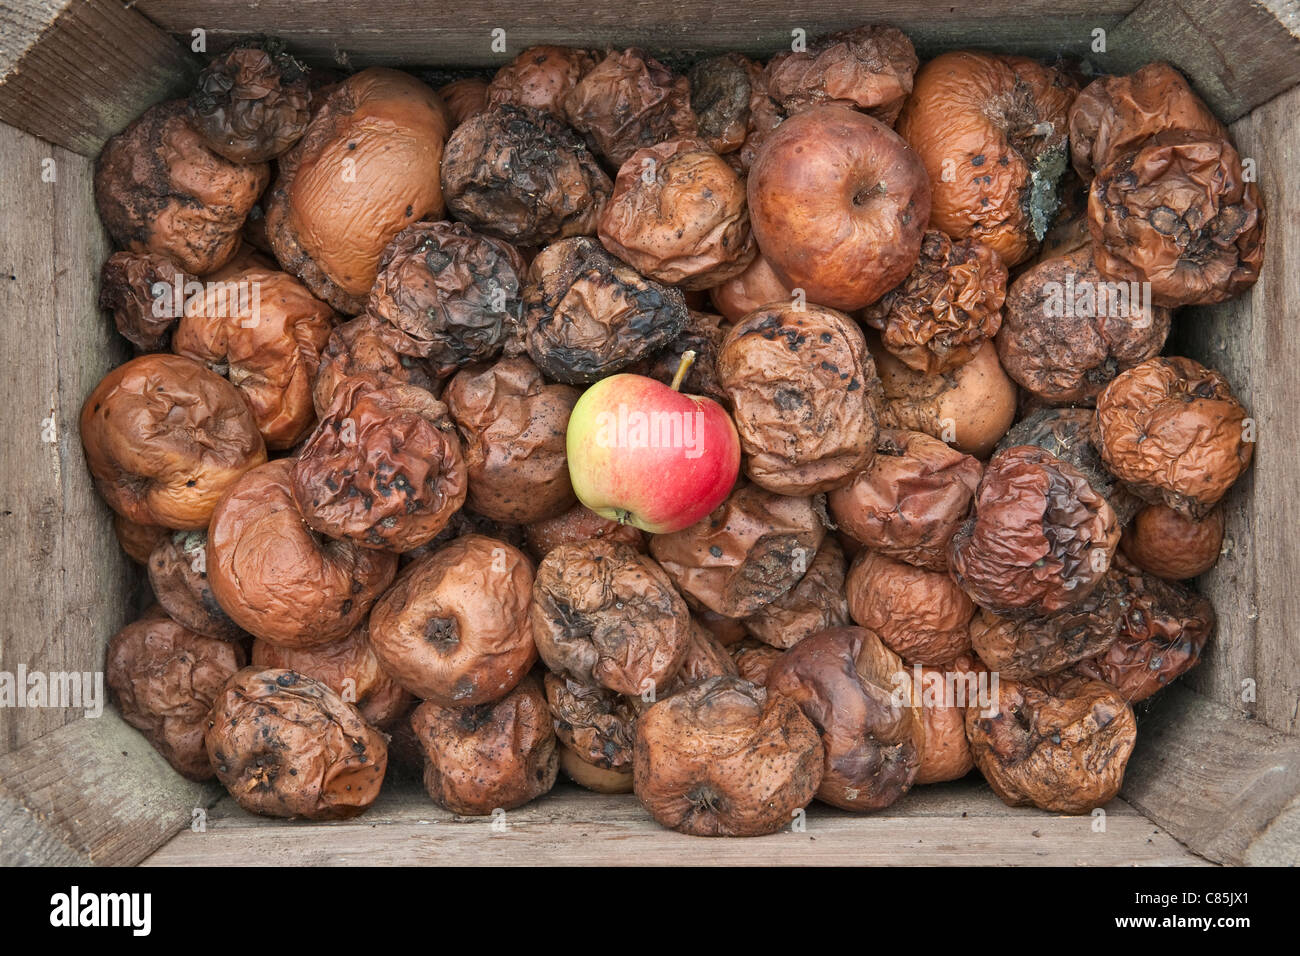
<point x="588" y="314"/>
<point x="721" y="89"/>
<point x="1067" y="331"/>
<point x="521" y="174"/>
<point x="451" y="295"/>
<point x="703" y="334"/>
<point x="251" y="102"/>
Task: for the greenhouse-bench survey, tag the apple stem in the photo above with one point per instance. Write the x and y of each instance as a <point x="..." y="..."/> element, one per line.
<point x="684" y="366"/>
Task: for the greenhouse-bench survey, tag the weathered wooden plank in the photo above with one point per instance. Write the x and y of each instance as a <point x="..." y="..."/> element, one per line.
<point x="404" y="801"/>
<point x="91" y="792"/>
<point x="20" y="23"/>
<point x="1253" y="341"/>
<point x="949" y="823"/>
<point x="30" y="498"/>
<point x="1238" y="53"/>
<point x="98" y="583"/>
<point x="67" y="583"/>
<point x="1227" y="788"/>
<point x="1276" y="845"/>
<point x="24" y="840"/>
<point x="74" y="72"/>
<point x="1272" y="138"/>
<point x="440" y="35"/>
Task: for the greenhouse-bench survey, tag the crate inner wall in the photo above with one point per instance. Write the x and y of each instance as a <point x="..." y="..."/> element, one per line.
<point x="80" y="74"/>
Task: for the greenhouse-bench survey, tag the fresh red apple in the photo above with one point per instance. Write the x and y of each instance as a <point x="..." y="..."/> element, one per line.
<point x="642" y="453"/>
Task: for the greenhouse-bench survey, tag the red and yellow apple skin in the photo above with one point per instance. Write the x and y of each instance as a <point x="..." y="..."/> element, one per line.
<point x="646" y="455"/>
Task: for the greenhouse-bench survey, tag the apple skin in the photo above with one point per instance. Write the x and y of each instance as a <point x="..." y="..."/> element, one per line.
<point x="838" y="204"/>
<point x="621" y="467"/>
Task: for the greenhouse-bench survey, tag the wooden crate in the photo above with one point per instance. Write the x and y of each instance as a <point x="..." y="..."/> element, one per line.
<point x="1216" y="775"/>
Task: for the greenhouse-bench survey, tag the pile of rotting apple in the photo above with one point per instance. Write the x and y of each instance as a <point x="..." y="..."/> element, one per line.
<point x="684" y="432"/>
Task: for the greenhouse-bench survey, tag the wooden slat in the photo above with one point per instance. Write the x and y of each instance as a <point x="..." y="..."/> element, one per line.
<point x="1238" y="53"/>
<point x="20" y="24"/>
<point x="77" y="71"/>
<point x="1228" y="788"/>
<point x="1271" y="136"/>
<point x="91" y="792"/>
<point x="67" y="584"/>
<point x="959" y="823"/>
<point x="1253" y="341"/>
<point x="437" y="34"/>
